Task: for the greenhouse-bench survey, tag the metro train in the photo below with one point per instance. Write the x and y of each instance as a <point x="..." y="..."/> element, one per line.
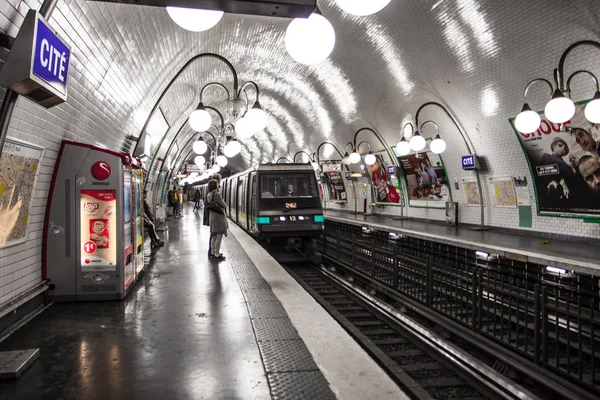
<point x="275" y="201"/>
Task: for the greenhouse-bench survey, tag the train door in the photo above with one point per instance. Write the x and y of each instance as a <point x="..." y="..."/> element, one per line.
<point x="239" y="201"/>
<point x="252" y="203"/>
<point x="230" y="201"/>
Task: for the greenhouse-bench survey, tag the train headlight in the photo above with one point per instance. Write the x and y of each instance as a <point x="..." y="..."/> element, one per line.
<point x="301" y="218"/>
<point x="282" y="219"/>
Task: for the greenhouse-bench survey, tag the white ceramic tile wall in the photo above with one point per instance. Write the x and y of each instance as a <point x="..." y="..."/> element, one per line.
<point x="474" y="56"/>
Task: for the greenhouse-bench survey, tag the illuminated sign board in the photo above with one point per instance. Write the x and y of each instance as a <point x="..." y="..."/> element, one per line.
<point x="470" y="162"/>
<point x="50" y="58"/>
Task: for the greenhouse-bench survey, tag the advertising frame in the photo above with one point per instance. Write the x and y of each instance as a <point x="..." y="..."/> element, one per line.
<point x="443" y="205"/>
<point x="400" y="192"/>
<point x="41" y="150"/>
<point x="585" y="216"/>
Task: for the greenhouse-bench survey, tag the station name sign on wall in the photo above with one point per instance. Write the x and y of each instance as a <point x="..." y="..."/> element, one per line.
<point x="37" y="66"/>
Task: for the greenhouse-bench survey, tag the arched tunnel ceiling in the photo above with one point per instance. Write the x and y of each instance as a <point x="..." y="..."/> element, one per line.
<point x="473" y="56"/>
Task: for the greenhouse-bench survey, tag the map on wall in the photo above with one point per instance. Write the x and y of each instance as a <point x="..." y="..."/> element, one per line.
<point x="504" y="191"/>
<point x="19" y="166"/>
<point x="471" y="191"/>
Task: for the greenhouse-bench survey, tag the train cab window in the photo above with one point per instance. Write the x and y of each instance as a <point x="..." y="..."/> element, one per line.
<point x="288" y="185"/>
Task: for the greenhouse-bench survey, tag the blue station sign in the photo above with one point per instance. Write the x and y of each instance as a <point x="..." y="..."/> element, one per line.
<point x="50" y="58"/>
<point x="470" y="162"/>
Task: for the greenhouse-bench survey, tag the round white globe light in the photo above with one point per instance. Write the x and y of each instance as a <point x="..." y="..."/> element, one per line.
<point x="592" y="110"/>
<point x="257" y="118"/>
<point x="560" y="109"/>
<point x="417" y="143"/>
<point x="232" y="148"/>
<point x="437" y="145"/>
<point x="403" y="148"/>
<point x="315" y="166"/>
<point x="354" y="157"/>
<point x="200" y="120"/>
<point x="362" y="7"/>
<point x="243" y="128"/>
<point x="370" y="159"/>
<point x="310" y="40"/>
<point x="221" y="160"/>
<point x="199" y="160"/>
<point x="346" y="159"/>
<point x="528" y="121"/>
<point x="193" y="19"/>
<point x="199" y="147"/>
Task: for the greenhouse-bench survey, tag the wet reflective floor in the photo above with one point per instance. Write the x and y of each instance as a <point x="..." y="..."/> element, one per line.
<point x="182" y="333"/>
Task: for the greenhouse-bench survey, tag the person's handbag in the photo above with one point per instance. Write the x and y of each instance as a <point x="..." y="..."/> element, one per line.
<point x="214" y="207"/>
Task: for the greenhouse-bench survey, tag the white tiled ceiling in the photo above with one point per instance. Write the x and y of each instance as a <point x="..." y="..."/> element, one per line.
<point x="474" y="56"/>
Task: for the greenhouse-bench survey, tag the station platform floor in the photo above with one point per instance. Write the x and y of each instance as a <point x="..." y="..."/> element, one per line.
<point x="578" y="257"/>
<point x="196" y="329"/>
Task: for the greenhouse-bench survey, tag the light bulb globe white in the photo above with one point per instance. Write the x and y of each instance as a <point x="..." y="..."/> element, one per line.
<point x="370" y="159"/>
<point x="221" y="160"/>
<point x="354" y="157"/>
<point x="437" y="146"/>
<point x="243" y="128"/>
<point x="193" y="19"/>
<point x="417" y="143"/>
<point x="232" y="148"/>
<point x="257" y="118"/>
<point x="200" y="120"/>
<point x="199" y="161"/>
<point x="215" y="168"/>
<point x="362" y="7"/>
<point x="315" y="166"/>
<point x="345" y="160"/>
<point x="408" y="132"/>
<point x="559" y="110"/>
<point x="528" y="121"/>
<point x="199" y="147"/>
<point x="403" y="148"/>
<point x="592" y="111"/>
<point x="310" y="40"/>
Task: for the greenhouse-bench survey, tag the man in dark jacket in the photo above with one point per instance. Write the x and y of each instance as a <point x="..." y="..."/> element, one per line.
<point x="149" y="225"/>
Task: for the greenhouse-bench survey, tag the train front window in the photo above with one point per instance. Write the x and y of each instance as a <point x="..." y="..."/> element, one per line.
<point x="288" y="185"/>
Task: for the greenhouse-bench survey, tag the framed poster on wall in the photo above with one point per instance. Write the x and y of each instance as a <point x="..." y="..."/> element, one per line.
<point x="564" y="160"/>
<point x="385" y="185"/>
<point x="19" y="169"/>
<point x="426" y="180"/>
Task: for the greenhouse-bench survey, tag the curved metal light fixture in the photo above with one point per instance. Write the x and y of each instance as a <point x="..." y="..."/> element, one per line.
<point x="437" y="145"/>
<point x="560" y="108"/>
<point x="403" y="146"/>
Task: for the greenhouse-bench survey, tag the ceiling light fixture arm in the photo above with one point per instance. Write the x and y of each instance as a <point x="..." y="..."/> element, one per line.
<point x="533" y="82"/>
<point x="387" y="148"/>
<point x="458" y="128"/>
<point x="255" y="88"/>
<point x="582" y="71"/>
<point x="437" y="128"/>
<point x="323" y="144"/>
<point x="282" y="158"/>
<point x="302" y="152"/>
<point x="214" y="84"/>
<point x="219" y="114"/>
<point x="412" y="128"/>
<point x="185" y="66"/>
<point x="559" y="73"/>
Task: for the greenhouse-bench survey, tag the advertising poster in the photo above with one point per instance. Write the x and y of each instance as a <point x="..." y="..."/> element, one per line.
<point x="98" y="230"/>
<point x="334" y="182"/>
<point x="471" y="191"/>
<point x="386" y="189"/>
<point x="564" y="162"/>
<point x="426" y="180"/>
<point x="504" y="191"/>
<point x="19" y="166"/>
<point x="522" y="191"/>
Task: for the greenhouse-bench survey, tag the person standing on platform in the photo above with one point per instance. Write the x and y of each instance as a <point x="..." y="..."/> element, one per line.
<point x="176" y="201"/>
<point x="206" y="215"/>
<point x="218" y="219"/>
<point x="197" y="198"/>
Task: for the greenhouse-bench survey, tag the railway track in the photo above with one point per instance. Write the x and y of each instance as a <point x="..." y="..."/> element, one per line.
<point x="521" y="311"/>
<point x="415" y="355"/>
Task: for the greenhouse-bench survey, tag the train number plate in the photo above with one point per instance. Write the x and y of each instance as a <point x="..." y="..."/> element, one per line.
<point x="290" y="205"/>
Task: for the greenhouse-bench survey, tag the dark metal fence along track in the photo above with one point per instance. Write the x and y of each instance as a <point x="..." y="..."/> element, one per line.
<point x="548" y="318"/>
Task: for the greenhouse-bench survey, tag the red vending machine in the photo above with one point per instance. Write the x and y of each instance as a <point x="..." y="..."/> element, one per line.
<point x="90" y="240"/>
